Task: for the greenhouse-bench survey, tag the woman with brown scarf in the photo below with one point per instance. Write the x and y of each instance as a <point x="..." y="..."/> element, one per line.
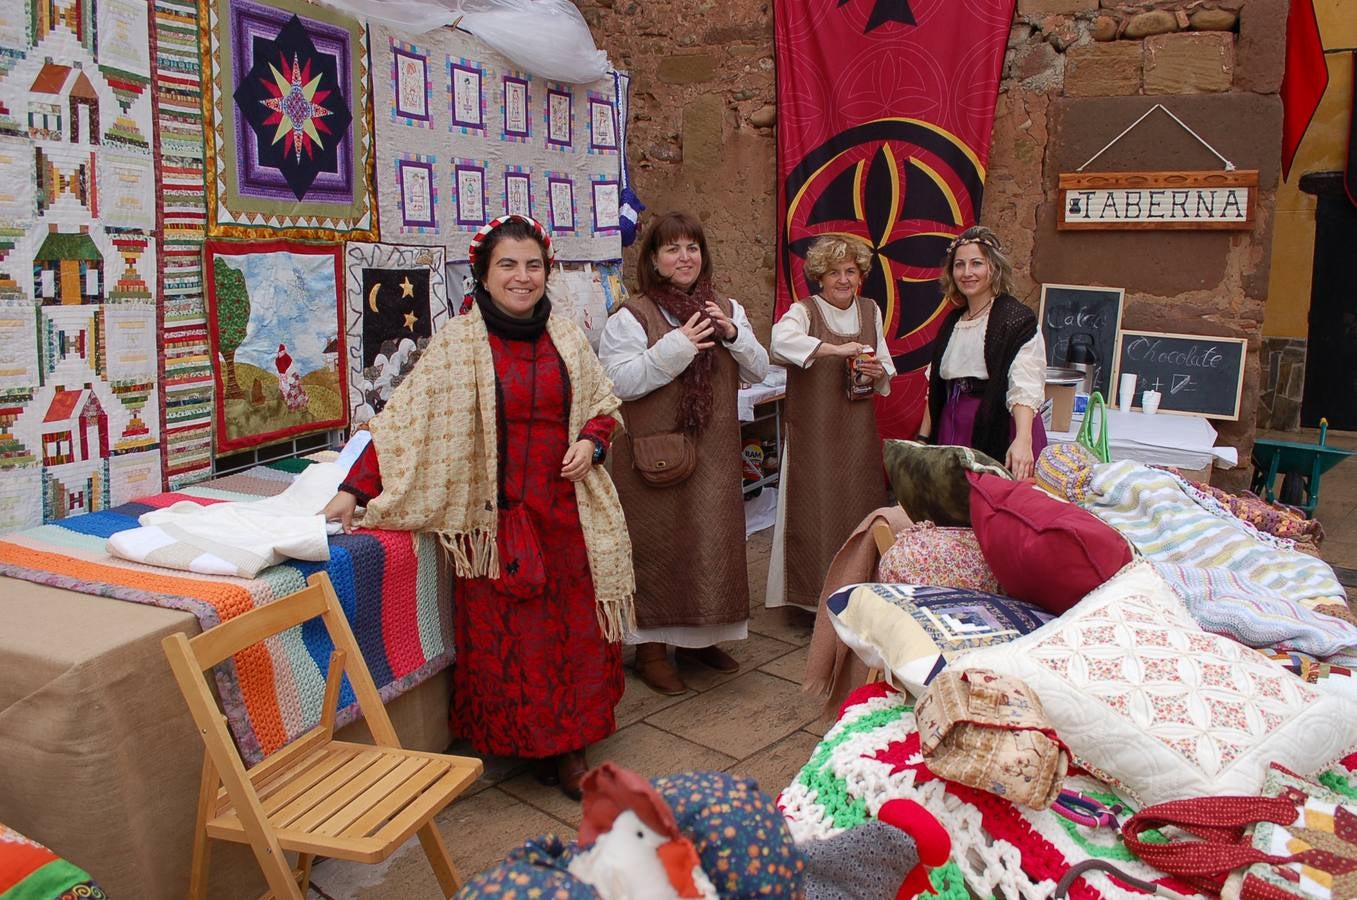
<point x="676" y="353"/>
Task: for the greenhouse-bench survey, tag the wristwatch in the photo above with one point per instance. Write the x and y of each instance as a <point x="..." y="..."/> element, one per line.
<point x="600" y="451"/>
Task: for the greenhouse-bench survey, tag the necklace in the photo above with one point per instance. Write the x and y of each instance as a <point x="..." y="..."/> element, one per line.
<point x="970" y="316"/>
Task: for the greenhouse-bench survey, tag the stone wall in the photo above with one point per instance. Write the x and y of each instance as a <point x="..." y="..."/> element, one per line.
<point x="1079" y="71"/>
<point x="1076" y="73"/>
<point x="701" y="136"/>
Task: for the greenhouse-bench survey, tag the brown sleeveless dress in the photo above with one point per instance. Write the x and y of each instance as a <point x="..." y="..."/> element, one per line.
<point x="835" y="477"/>
<point x="687" y="540"/>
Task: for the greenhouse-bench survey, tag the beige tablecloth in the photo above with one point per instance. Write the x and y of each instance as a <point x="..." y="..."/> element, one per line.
<point x="98" y="756"/>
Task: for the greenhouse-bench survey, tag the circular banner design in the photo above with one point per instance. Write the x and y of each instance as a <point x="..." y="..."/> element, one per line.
<point x="905" y="187"/>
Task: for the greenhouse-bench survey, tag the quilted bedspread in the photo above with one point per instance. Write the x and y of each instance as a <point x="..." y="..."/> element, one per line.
<point x="29" y="871"/>
<point x="1235" y="580"/>
<point x="872" y="755"/>
<point x="387" y="582"/>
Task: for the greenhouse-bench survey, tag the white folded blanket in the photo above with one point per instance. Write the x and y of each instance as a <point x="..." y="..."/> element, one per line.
<point x="239" y="538"/>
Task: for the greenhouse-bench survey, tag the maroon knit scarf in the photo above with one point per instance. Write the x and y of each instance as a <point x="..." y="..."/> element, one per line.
<point x="694" y="411"/>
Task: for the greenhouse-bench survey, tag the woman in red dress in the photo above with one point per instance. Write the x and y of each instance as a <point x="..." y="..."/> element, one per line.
<point x="545" y="581"/>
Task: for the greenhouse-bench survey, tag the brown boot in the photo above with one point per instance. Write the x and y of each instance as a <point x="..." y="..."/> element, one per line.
<point x="655" y="669"/>
<point x="712" y="657"/>
<point x="570" y="769"/>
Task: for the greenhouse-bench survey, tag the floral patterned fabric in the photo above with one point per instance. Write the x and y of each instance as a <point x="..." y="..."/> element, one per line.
<point x="942" y="557"/>
<point x="1275" y="519"/>
<point x="534" y="675"/>
<point x="740" y="836"/>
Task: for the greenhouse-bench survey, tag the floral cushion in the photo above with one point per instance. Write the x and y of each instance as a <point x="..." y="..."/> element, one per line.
<point x="930" y="481"/>
<point x="941" y="557"/>
<point x="1149" y="702"/>
<point x="910" y="631"/>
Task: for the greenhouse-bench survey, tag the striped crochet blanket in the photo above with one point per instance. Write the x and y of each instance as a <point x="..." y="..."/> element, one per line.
<point x="872" y="755"/>
<point x="1235" y="580"/>
<point x="386" y="580"/>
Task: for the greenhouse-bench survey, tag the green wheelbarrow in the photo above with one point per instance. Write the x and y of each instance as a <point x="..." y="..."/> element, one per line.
<point x="1300" y="465"/>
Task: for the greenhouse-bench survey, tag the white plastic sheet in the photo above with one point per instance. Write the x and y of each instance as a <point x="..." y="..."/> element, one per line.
<point x="548" y="38"/>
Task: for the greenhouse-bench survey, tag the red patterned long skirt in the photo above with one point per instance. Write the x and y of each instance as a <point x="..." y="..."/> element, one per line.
<point x="534" y="677"/>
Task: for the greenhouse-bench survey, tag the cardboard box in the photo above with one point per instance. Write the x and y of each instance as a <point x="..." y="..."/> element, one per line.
<point x="1062" y="405"/>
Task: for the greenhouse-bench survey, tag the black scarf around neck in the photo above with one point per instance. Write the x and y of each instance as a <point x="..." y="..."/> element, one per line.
<point x="501" y="324"/>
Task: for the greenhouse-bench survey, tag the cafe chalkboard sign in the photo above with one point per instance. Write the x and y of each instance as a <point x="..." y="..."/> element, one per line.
<point x="1084" y="317"/>
<point x="1195" y="374"/>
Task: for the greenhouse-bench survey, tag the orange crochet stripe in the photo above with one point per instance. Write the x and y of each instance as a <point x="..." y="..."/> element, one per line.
<point x="253" y="666"/>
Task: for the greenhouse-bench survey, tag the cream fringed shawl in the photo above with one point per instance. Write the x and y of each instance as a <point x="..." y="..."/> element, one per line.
<point x="436" y="445"/>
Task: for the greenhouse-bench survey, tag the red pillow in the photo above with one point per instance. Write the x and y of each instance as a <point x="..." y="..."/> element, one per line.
<point x="1042" y="550"/>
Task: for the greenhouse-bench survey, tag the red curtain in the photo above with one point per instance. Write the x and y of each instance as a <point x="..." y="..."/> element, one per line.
<point x="1305" y="78"/>
<point x="885" y="111"/>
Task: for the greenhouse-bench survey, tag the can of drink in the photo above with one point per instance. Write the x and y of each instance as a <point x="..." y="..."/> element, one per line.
<point x="860" y="384"/>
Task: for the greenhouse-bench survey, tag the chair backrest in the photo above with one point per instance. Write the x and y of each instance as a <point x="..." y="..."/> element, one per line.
<point x="190" y="658"/>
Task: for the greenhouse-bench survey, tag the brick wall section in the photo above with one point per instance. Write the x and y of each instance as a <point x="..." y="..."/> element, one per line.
<point x="702" y="139"/>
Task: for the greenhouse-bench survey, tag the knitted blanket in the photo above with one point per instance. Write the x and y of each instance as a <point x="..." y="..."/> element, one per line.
<point x="386" y="580"/>
<point x="1235" y="580"/>
<point x="29" y="871"/>
<point x="872" y="755"/>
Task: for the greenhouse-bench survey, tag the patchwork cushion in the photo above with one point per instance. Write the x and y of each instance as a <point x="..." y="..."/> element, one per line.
<point x="1149" y="702"/>
<point x="941" y="557"/>
<point x="930" y="481"/>
<point x="911" y="631"/>
<point x="1041" y="549"/>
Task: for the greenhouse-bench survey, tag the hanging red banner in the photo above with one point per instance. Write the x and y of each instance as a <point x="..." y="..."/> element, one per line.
<point x="885" y="111"/>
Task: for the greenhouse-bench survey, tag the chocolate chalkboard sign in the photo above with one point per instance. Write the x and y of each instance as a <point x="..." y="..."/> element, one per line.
<point x="1080" y="323"/>
<point x="1195" y="374"/>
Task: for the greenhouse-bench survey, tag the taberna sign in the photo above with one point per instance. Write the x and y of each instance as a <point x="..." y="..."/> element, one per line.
<point x="1158" y="200"/>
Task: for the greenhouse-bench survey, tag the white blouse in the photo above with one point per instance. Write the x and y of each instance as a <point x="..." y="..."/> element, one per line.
<point x="792" y="344"/>
<point x="637" y="369"/>
<point x="965" y="358"/>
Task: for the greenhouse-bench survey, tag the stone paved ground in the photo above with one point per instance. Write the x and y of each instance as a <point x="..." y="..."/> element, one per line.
<point x="756" y="722"/>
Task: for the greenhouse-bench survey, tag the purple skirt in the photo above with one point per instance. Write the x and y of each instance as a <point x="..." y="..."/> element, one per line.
<point x="958" y="423"/>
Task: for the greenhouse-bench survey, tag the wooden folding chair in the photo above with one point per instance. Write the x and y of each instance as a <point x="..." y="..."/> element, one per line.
<point x="316" y="796"/>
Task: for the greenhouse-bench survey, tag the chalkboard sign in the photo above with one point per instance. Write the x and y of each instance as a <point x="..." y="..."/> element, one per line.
<point x="1082" y="316"/>
<point x="1195" y="374"/>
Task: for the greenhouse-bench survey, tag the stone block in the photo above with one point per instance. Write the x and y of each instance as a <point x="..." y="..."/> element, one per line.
<point x="1156" y="21"/>
<point x="1036" y="59"/>
<point x="763" y="117"/>
<point x="1105" y="28"/>
<point x="1189" y="63"/>
<point x="703" y="120"/>
<point x="1035" y="9"/>
<point x="1103" y="70"/>
<point x="1213" y="20"/>
<point x="690" y="68"/>
<point x="1261" y="52"/>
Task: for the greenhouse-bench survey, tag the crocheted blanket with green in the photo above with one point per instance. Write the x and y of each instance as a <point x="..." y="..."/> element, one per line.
<point x="999" y="849"/>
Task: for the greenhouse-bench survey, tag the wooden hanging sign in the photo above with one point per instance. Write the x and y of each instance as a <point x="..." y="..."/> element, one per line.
<point x="1158" y="200"/>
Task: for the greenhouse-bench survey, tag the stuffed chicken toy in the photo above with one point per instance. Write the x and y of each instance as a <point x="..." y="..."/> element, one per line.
<point x="713" y="835"/>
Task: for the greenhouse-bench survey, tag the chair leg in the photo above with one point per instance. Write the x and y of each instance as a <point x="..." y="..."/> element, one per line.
<point x="202" y="848"/>
<point x="439" y="858"/>
<point x="304" y="861"/>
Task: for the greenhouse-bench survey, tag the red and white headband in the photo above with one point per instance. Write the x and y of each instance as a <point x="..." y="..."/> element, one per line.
<point x="479" y="237"/>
